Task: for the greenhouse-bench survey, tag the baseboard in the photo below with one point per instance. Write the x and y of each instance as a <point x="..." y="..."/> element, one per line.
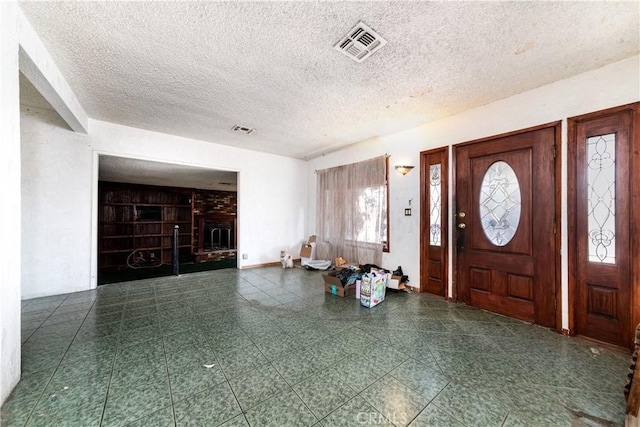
<point x="296" y="264"/>
<point x="266" y="264"/>
<point x="603" y="344"/>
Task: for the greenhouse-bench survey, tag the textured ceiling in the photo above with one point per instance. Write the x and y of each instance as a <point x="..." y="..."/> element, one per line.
<point x="136" y="171"/>
<point x="120" y="169"/>
<point x="197" y="68"/>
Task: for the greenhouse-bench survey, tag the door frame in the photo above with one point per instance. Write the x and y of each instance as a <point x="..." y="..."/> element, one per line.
<point x="424" y="217"/>
<point x="557" y="201"/>
<point x="634" y="214"/>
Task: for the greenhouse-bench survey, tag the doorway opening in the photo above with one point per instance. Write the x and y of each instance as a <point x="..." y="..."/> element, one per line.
<point x="152" y="213"/>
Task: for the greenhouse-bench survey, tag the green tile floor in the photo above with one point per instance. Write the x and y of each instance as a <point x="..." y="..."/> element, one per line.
<point x="285" y="353"/>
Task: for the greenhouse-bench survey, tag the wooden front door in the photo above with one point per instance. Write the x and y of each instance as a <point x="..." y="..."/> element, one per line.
<point x="600" y="208"/>
<point x="505" y="224"/>
<point x="434" y="221"/>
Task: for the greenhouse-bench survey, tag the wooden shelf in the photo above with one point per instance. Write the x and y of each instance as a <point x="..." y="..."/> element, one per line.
<point x="122" y="222"/>
<point x="118" y="251"/>
<point x="169" y="205"/>
<point x="136" y="217"/>
<point x="152" y="248"/>
<point x="143" y="235"/>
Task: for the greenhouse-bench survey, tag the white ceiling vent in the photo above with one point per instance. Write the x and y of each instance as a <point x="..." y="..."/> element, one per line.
<point x="242" y="129"/>
<point x="360" y="42"/>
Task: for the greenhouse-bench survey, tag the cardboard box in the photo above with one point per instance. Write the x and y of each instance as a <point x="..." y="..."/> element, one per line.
<point x="333" y="285"/>
<point x="305" y="250"/>
<point x="348" y="265"/>
<point x="394" y="283"/>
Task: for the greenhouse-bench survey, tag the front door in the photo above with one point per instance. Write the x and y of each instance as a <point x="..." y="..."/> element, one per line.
<point x="600" y="194"/>
<point x="506" y="224"/>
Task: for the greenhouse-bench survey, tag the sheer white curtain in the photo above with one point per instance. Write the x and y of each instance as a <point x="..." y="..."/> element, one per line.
<point x="352" y="210"/>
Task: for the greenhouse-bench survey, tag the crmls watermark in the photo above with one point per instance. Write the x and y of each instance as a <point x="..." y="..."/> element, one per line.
<point x="373" y="418"/>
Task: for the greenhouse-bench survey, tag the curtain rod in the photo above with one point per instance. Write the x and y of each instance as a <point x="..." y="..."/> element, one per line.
<point x="385" y="155"/>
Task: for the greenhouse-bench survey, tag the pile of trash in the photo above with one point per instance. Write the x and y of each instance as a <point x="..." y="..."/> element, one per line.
<point x="349" y="274"/>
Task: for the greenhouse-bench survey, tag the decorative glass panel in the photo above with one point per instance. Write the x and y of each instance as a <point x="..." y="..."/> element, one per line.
<point x="500" y="203"/>
<point x="435" y="204"/>
<point x="601" y="196"/>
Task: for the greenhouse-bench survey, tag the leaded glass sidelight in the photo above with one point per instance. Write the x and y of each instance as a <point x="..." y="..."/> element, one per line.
<point x="500" y="203"/>
<point x="601" y="195"/>
<point x="435" y="204"/>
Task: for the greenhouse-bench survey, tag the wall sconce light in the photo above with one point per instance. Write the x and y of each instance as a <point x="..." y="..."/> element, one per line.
<point x="403" y="169"/>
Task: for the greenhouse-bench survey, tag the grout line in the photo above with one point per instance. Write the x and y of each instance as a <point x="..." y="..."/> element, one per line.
<point x="113" y="365"/>
<point x="31" y="413"/>
<point x="106" y="396"/>
<point x="228" y="382"/>
<point x="166" y="364"/>
<point x="506" y="417"/>
<point x="47" y="318"/>
<point x="305" y="404"/>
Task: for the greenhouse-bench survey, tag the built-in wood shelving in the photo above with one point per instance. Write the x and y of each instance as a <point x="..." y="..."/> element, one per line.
<point x="141" y="218"/>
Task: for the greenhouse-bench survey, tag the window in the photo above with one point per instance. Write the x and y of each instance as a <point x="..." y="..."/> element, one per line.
<point x="353" y="210"/>
<point x="601" y="198"/>
<point x="371" y="225"/>
<point x="435" y="204"/>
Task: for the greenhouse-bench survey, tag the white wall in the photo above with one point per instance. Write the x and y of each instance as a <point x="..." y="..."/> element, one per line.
<point x="10" y="196"/>
<point x="56" y="227"/>
<point x="58" y="190"/>
<point x="615" y="84"/>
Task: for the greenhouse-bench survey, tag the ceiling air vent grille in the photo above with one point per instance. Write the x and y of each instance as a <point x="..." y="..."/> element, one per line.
<point x="360" y="42"/>
<point x="242" y="129"/>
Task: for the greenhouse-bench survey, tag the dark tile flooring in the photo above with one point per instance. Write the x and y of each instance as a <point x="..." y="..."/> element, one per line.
<point x="282" y="352"/>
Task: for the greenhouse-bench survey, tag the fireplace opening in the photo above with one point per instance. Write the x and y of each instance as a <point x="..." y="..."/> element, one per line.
<point x="216" y="233"/>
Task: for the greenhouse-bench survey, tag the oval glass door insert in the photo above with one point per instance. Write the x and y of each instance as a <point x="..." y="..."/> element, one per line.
<point x="500" y="203"/>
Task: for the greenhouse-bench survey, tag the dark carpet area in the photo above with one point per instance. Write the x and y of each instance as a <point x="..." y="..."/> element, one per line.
<point x="129" y="274"/>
